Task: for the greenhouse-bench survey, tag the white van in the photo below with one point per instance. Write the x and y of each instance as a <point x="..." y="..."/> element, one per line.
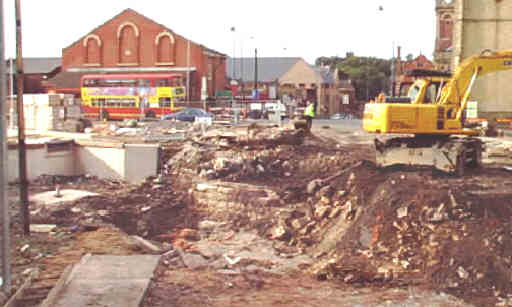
<point x="276" y="107"/>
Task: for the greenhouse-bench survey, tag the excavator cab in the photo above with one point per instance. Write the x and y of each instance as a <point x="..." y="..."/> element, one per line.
<point x="425" y="91"/>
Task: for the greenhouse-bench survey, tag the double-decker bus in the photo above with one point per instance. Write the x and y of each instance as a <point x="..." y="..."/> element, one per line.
<point x="120" y="96"/>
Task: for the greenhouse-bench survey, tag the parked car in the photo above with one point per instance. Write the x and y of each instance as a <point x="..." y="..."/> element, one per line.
<point x="188" y="115"/>
<point x="270" y="108"/>
<point x="341" y="116"/>
<point x="254" y="114"/>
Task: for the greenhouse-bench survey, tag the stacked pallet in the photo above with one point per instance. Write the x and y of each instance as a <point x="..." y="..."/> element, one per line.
<point x="45" y="112"/>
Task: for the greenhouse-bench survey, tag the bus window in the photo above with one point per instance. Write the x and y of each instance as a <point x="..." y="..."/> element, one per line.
<point x="143" y="83"/>
<point x="163" y="82"/>
<point x="90" y="82"/>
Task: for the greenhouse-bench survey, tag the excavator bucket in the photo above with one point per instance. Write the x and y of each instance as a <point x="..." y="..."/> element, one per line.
<point x="451" y="155"/>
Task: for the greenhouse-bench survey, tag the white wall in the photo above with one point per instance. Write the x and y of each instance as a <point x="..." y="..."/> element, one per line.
<point x="103" y="162"/>
<point x="141" y="161"/>
<point x="40" y="162"/>
<point x="132" y="163"/>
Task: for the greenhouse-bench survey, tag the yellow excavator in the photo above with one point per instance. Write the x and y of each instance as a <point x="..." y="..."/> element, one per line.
<point x="433" y="113"/>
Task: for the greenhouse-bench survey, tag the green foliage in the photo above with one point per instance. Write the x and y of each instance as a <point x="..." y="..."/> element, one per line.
<point x="370" y="76"/>
<point x="331" y="61"/>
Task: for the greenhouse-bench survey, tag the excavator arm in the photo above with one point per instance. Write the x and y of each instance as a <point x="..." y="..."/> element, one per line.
<point x="458" y="90"/>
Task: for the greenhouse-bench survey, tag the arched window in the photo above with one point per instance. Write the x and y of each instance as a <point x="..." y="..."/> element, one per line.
<point x="446" y="26"/>
<point x="446" y="31"/>
<point x="128" y="42"/>
<point x="165" y="48"/>
<point x="92" y="46"/>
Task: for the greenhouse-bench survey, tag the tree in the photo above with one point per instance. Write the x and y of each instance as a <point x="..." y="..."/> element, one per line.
<point x="332" y="62"/>
<point x="370" y="76"/>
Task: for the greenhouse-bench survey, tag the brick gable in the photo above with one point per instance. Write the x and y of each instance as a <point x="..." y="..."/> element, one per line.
<point x="131" y="42"/>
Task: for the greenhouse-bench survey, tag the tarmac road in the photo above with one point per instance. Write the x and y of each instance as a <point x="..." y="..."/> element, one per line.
<point x="342" y="125"/>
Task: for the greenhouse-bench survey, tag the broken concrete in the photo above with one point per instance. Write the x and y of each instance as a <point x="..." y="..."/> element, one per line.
<point x="67" y="195"/>
<point x="108" y="281"/>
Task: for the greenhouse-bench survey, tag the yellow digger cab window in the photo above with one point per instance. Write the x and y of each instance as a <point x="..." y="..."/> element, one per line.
<point x="414" y="91"/>
<point x="430" y="95"/>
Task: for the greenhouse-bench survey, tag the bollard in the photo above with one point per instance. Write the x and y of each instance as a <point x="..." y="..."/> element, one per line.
<point x="57" y="191"/>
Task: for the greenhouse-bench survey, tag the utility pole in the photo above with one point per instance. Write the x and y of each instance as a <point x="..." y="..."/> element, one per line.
<point x="244" y="105"/>
<point x="21" y="125"/>
<point x="4" y="204"/>
<point x="256" y="73"/>
<point x="11" y="94"/>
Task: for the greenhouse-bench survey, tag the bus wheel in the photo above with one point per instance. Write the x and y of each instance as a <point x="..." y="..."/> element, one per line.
<point x="104" y="115"/>
<point x="150" y="114"/>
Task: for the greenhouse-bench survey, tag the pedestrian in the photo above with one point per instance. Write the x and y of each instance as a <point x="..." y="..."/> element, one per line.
<point x="309" y="113"/>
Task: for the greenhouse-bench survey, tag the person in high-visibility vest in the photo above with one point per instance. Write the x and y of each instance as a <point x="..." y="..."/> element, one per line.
<point x="309" y="113"/>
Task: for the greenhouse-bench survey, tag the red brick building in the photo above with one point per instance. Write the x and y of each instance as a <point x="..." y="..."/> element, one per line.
<point x="133" y="43"/>
<point x="36" y="72"/>
<point x="403" y="81"/>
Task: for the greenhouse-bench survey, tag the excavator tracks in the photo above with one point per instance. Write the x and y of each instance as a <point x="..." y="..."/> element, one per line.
<point x="448" y="154"/>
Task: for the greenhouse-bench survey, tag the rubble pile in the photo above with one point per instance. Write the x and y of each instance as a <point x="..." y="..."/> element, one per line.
<point x="297" y="197"/>
<point x="254" y="156"/>
<point x="362" y="225"/>
<point x="452" y="234"/>
<point x="498" y="151"/>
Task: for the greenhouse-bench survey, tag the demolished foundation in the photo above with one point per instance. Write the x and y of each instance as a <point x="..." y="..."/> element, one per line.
<point x="106" y="160"/>
<point x="238" y="217"/>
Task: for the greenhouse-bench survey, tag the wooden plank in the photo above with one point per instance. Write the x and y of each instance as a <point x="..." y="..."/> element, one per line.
<point x="28" y="298"/>
<point x="39" y="288"/>
<point x="12" y="302"/>
<point x="59" y="286"/>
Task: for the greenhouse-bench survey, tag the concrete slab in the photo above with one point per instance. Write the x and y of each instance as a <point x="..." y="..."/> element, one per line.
<point x="49" y="198"/>
<point x="108" y="281"/>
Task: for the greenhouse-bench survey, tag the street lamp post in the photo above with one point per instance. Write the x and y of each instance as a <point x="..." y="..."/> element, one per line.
<point x="233" y="82"/>
<point x="366" y="76"/>
<point x="242" y="85"/>
<point x="256" y="72"/>
<point x="233" y="59"/>
<point x="393" y="75"/>
<point x="393" y="63"/>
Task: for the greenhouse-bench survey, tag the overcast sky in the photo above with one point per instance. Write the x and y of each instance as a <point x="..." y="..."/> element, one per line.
<point x="307" y="29"/>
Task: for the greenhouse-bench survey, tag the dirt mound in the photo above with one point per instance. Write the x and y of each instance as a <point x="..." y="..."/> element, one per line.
<point x="410" y="227"/>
